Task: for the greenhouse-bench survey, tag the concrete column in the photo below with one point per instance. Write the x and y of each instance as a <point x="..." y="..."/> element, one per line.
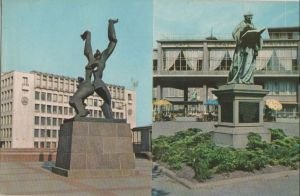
<point x="261" y="111"/>
<point x="159" y="92"/>
<point x="219" y="114"/>
<point x="205" y="57"/>
<point x="159" y="58"/>
<point x="205" y="96"/>
<point x="298" y="95"/>
<point x="185" y="98"/>
<point x="298" y="67"/>
<point x="298" y="56"/>
<point x="235" y="112"/>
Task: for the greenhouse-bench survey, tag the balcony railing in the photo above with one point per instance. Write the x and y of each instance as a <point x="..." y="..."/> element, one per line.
<point x="290" y="115"/>
<point x="222" y="72"/>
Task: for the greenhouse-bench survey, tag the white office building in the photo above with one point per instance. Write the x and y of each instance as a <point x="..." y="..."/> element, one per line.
<point x="186" y="71"/>
<point x="34" y="105"/>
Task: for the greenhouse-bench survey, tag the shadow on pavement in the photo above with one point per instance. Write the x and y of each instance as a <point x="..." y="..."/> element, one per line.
<point x="155" y="172"/>
<point x="48" y="165"/>
<point x="156" y="192"/>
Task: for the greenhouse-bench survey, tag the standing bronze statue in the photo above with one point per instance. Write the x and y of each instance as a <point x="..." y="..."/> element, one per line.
<point x="95" y="67"/>
<point x="248" y="43"/>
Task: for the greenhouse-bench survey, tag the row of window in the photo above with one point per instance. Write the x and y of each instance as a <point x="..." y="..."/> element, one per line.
<point x="44" y="144"/>
<point x="70" y="111"/>
<point x="99" y="114"/>
<point x="45" y="133"/>
<point x="51" y="97"/>
<point x="65" y="98"/>
<point x="6" y="120"/>
<point x="8" y="94"/>
<point x="93" y="102"/>
<point x="5" y="144"/>
<point x="68" y="85"/>
<point x="284" y="35"/>
<point x="281" y="87"/>
<point x="6" y="133"/>
<point x="6" y="107"/>
<point x="51" y="82"/>
<point x="47" y="121"/>
<point x="42" y="108"/>
<point x="221" y="59"/>
<point x="116" y="92"/>
<point x="118" y="105"/>
<point x="7" y="82"/>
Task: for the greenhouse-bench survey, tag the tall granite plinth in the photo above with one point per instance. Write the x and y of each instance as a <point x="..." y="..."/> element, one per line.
<point x="240" y="112"/>
<point x="94" y="147"/>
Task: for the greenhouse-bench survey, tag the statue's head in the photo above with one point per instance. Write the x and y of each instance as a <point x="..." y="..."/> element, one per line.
<point x="80" y="79"/>
<point x="97" y="54"/>
<point x="248" y="16"/>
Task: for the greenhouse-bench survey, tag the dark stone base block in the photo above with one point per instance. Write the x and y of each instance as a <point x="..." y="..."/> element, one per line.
<point x="240" y="112"/>
<point x="89" y="147"/>
<point x="237" y="137"/>
<point x="94" y="173"/>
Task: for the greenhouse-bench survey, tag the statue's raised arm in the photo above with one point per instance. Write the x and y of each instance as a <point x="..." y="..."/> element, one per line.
<point x="112" y="39"/>
<point x="100" y="62"/>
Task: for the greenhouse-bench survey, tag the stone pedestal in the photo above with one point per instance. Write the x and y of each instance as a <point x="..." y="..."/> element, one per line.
<point x="94" y="147"/>
<point x="240" y="112"/>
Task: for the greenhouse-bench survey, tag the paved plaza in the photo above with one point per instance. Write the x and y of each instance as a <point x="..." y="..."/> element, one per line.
<point x="35" y="178"/>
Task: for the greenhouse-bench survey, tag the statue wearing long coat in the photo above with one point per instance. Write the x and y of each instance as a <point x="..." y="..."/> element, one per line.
<point x="243" y="64"/>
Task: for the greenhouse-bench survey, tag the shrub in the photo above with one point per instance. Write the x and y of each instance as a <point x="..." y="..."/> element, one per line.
<point x="196" y="149"/>
<point x="255" y="142"/>
<point x="277" y="134"/>
<point x="201" y="169"/>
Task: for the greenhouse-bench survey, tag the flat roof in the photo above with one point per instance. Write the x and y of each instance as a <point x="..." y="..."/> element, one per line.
<point x="284" y="29"/>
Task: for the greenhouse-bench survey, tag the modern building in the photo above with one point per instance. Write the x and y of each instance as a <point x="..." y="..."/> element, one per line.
<point x="185" y="71"/>
<point x="34" y="105"/>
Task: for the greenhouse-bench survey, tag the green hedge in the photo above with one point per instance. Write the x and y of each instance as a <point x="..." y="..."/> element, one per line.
<point x="195" y="148"/>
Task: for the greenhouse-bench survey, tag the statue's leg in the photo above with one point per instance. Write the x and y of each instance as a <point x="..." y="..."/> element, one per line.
<point x="103" y="92"/>
<point x="77" y="100"/>
<point x="76" y="103"/>
<point x="248" y="66"/>
<point x="234" y="69"/>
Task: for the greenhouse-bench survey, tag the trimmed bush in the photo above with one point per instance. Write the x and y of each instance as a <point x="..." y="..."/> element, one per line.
<point x="196" y="149"/>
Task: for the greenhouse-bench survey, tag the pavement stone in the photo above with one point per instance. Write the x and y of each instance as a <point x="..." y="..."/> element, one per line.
<point x="31" y="178"/>
<point x="287" y="185"/>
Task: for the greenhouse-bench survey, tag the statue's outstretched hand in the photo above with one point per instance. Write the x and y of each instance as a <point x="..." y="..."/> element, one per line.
<point x="113" y="20"/>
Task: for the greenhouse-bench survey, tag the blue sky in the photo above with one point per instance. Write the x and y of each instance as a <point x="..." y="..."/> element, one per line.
<point x="44" y="35"/>
<point x="194" y="19"/>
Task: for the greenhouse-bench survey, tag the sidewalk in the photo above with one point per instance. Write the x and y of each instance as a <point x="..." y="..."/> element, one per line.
<point x="272" y="185"/>
<point x="32" y="178"/>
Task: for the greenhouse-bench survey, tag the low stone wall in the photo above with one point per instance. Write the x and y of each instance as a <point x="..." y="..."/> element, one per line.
<point x="168" y="128"/>
<point x="27" y="155"/>
<point x="290" y="128"/>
